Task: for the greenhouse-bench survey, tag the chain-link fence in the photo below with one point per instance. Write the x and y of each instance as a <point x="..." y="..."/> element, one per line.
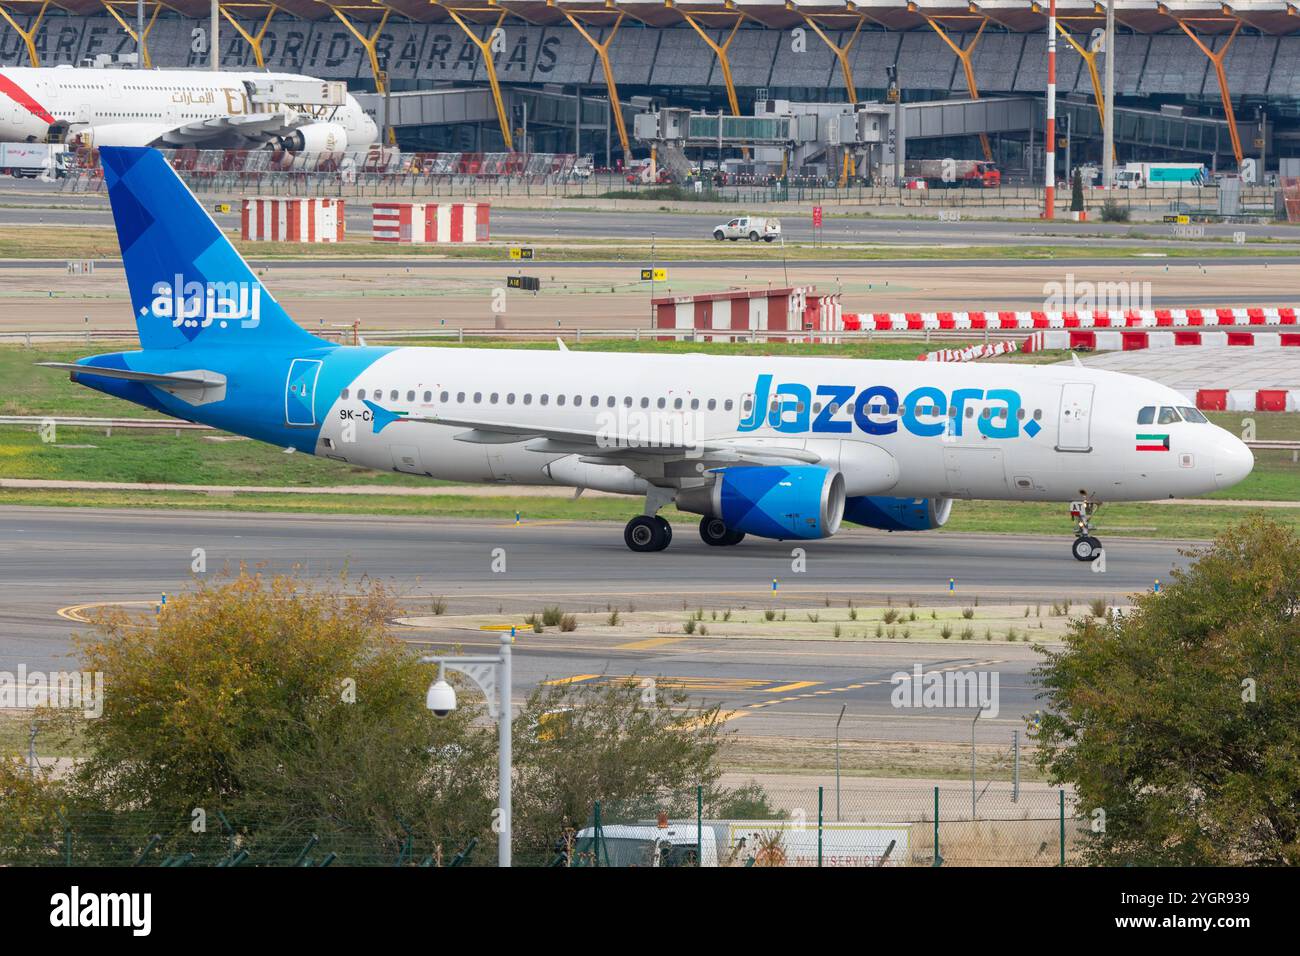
<point x="867" y="823"/>
<point x="873" y="823"/>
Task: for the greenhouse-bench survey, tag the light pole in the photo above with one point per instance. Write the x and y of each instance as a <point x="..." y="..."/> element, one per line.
<point x="1108" y="110"/>
<point x="843" y="708"/>
<point x="972" y="763"/>
<point x="492" y="675"/>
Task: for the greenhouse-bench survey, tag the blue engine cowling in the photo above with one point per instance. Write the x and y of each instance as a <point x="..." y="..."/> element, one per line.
<point x="898" y="514"/>
<point x="771" y="501"/>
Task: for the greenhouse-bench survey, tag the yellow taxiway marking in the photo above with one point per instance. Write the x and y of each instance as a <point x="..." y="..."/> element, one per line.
<point x="648" y="643"/>
<point x="797" y="685"/>
<point x="575" y="679"/>
<point x="75" y="612"/>
<point x="504" y="627"/>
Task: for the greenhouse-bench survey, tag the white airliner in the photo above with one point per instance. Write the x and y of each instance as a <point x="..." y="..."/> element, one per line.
<point x="210" y="109"/>
<point x="781" y="448"/>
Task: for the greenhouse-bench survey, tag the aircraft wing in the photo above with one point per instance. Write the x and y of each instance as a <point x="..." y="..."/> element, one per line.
<point x="602" y="445"/>
<point x="259" y="127"/>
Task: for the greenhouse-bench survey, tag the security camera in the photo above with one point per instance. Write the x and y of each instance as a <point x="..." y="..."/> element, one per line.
<point x="441" y="698"/>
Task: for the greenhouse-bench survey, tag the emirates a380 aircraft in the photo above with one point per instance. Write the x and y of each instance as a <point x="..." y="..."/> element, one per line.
<point x="210" y="109"/>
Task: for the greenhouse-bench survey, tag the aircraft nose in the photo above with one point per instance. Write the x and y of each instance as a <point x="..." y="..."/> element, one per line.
<point x="1233" y="461"/>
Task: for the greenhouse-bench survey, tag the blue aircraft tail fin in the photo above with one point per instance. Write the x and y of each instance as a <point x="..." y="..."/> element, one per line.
<point x="189" y="287"/>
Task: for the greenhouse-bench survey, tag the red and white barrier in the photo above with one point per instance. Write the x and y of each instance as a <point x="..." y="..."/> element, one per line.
<point x="751" y="310"/>
<point x="292" y="220"/>
<point x="973" y="352"/>
<point x="1244" y="399"/>
<point x="1128" y="340"/>
<point x="1082" y="319"/>
<point x="419" y="223"/>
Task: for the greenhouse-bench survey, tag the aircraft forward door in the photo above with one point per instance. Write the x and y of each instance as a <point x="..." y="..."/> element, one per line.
<point x="300" y="393"/>
<point x="1074" y="430"/>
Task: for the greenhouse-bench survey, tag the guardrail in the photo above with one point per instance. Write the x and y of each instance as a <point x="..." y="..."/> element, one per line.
<point x="108" y="424"/>
<point x="575" y="335"/>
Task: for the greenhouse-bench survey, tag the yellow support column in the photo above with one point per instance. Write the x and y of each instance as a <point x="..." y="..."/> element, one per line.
<point x="254" y="40"/>
<point x="1224" y="93"/>
<point x="489" y="64"/>
<point x="602" y="51"/>
<point x="842" y="55"/>
<point x="720" y="51"/>
<point x="29" y="36"/>
<point x="130" y="31"/>
<point x="369" y="43"/>
<point x="1090" y="58"/>
<point x="964" y="56"/>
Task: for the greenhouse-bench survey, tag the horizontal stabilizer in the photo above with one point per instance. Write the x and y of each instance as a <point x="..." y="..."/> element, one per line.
<point x="177" y="380"/>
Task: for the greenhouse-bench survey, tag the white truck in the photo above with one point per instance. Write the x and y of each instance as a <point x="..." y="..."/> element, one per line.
<point x="752" y="228"/>
<point x="1142" y="175"/>
<point x="745" y="843"/>
<point x="31" y="160"/>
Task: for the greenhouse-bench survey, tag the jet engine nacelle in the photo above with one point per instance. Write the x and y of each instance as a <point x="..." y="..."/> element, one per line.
<point x="772" y="501"/>
<point x="898" y="514"/>
<point x="315" y="138"/>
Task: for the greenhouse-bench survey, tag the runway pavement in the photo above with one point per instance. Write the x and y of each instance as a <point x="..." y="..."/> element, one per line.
<point x="58" y="563"/>
<point x="841" y="225"/>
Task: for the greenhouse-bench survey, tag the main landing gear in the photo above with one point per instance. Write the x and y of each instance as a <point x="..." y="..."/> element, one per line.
<point x="1085" y="546"/>
<point x="715" y="533"/>
<point x="648" y="533"/>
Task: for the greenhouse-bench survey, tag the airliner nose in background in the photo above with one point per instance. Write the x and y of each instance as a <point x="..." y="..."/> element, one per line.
<point x="119" y="107"/>
<point x="781" y="448"/>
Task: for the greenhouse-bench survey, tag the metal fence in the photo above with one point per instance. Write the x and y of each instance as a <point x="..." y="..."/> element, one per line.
<point x="804" y="826"/>
<point x="382" y="172"/>
<point x="880" y="825"/>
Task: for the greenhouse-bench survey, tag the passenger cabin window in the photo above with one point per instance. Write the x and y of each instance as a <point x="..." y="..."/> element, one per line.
<point x="1168" y="415"/>
<point x="1147" y="415"/>
<point x="410" y="396"/>
<point x="428" y="396"/>
<point x="345" y="393"/>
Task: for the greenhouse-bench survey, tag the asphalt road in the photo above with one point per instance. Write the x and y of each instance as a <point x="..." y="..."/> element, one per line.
<point x="55" y="559"/>
<point x="21" y="207"/>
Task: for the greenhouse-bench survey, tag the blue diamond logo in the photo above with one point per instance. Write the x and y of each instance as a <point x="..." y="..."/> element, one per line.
<point x="1032" y="428"/>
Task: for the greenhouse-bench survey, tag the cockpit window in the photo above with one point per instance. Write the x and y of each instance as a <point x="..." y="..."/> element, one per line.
<point x="1192" y="415"/>
<point x="1147" y="415"/>
<point x="1168" y="415"/>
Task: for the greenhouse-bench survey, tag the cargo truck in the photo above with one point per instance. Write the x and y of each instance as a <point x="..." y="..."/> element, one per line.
<point x="954" y="173"/>
<point x="1142" y="175"/>
<point x="33" y="159"/>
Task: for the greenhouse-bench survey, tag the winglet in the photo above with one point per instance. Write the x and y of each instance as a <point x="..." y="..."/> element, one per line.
<point x="560" y="342"/>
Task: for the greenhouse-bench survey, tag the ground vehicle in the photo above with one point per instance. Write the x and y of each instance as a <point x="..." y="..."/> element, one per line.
<point x="33" y="159"/>
<point x="752" y="228"/>
<point x="582" y="168"/>
<point x="647" y="845"/>
<point x="953" y="173"/>
<point x="1140" y="175"/>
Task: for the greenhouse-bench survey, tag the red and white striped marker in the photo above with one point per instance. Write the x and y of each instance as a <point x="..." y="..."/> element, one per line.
<point x="1049" y="152"/>
<point x="419" y="223"/>
<point x="292" y="220"/>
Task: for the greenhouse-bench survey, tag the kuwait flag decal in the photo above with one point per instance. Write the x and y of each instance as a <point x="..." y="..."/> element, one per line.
<point x="1152" y="442"/>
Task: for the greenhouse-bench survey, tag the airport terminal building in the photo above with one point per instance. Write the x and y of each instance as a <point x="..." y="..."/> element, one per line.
<point x="1214" y="82"/>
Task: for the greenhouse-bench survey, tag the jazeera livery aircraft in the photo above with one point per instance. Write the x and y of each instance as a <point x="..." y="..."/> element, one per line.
<point x="781" y="448"/>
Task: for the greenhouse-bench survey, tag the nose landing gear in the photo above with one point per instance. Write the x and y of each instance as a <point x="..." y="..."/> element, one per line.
<point x="1086" y="547"/>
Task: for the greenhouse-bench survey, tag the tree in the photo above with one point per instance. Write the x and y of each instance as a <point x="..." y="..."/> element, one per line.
<point x="1176" y="723"/>
<point x="255" y="713"/>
